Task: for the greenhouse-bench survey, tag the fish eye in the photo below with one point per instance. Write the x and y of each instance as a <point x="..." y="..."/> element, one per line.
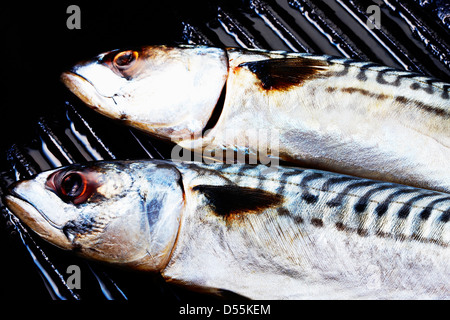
<point x="73" y="185"/>
<point x="125" y="59"/>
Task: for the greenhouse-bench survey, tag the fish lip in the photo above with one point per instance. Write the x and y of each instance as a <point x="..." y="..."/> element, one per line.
<point x="72" y="73"/>
<point x="16" y="196"/>
<point x="34" y="219"/>
<point x="73" y="81"/>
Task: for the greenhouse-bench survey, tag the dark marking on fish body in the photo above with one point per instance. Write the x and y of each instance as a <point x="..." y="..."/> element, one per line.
<point x="444" y="94"/>
<point x="306" y="195"/>
<point x="378" y="96"/>
<point x="406" y="208"/>
<point x="345" y="63"/>
<point x="282" y="74"/>
<point x="383" y="207"/>
<point x="362" y="232"/>
<point x="310" y="177"/>
<point x="333" y="203"/>
<point x="309" y="198"/>
<point x="328" y="183"/>
<point x="340" y="226"/>
<point x="298" y="220"/>
<point x="436" y="111"/>
<point x="428" y="89"/>
<point x="425" y="214"/>
<point x="153" y="209"/>
<point x="343" y="72"/>
<point x="363" y="202"/>
<point x="445" y="216"/>
<point x="361" y="76"/>
<point x="285" y="177"/>
<point x="431" y="109"/>
<point x="402" y="99"/>
<point x="415" y="86"/>
<point x="359" y="231"/>
<point x="380" y="78"/>
<point x="229" y="200"/>
<point x="283" y="212"/>
<point x="397" y="75"/>
<point x="360" y="206"/>
<point x="317" y="222"/>
<point x="425" y="107"/>
<point x="338" y="200"/>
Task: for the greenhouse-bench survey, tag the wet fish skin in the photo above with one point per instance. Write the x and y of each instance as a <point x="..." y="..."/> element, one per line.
<point x="323" y="112"/>
<point x="259" y="232"/>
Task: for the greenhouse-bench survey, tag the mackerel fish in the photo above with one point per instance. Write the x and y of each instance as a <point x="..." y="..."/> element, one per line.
<point x="321" y="112"/>
<point x="289" y="233"/>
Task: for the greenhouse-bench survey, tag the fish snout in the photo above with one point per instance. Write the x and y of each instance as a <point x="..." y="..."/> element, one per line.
<point x="24" y="209"/>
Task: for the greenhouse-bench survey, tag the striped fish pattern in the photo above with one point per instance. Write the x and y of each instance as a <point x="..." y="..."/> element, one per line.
<point x="351" y="204"/>
<point x="369" y="71"/>
<point x="295" y="233"/>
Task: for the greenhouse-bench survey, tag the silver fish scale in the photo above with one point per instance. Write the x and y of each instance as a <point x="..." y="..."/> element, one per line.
<point x="351" y="204"/>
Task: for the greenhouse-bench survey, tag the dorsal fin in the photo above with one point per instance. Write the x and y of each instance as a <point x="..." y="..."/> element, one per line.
<point x="282" y="74"/>
<point x="231" y="200"/>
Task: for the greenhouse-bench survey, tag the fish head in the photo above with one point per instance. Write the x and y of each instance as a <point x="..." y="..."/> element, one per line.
<point x="169" y="92"/>
<point x="116" y="212"/>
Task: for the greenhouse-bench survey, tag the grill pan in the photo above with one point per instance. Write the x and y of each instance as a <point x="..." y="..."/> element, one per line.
<point x="44" y="126"/>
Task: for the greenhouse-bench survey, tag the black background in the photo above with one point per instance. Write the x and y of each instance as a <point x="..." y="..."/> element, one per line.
<point x="38" y="47"/>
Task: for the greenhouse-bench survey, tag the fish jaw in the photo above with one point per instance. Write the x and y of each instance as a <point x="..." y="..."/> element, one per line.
<point x="21" y="205"/>
<point x="35" y="221"/>
<point x="84" y="89"/>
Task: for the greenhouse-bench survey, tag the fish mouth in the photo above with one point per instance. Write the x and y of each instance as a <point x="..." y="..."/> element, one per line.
<point x="87" y="92"/>
<point x="34" y="219"/>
